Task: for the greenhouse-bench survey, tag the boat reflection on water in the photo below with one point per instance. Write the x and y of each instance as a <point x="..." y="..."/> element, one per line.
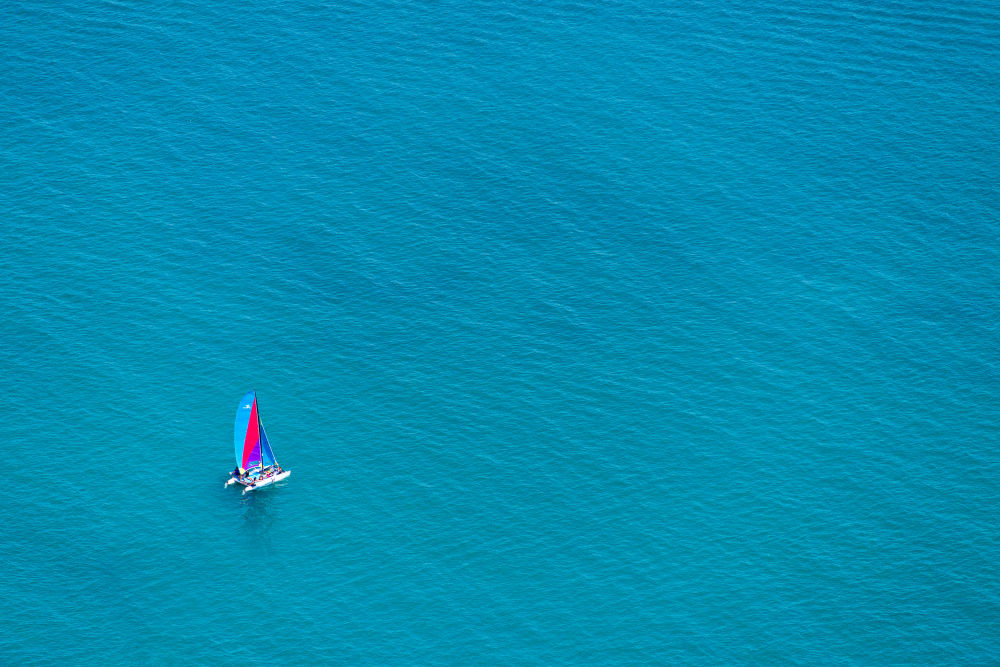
<point x="258" y="518"/>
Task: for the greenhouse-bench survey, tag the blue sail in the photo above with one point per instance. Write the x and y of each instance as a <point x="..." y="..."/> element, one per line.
<point x="266" y="455"/>
<point x="245" y="430"/>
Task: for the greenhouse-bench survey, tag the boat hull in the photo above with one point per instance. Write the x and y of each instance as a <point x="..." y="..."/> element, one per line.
<point x="260" y="483"/>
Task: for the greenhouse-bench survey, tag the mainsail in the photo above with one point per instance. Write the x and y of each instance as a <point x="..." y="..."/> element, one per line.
<point x="252" y="447"/>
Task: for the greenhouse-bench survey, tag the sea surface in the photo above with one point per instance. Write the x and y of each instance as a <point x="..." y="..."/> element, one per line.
<point x="623" y="332"/>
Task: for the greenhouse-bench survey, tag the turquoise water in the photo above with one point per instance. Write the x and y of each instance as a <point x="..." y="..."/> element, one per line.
<point x="593" y="333"/>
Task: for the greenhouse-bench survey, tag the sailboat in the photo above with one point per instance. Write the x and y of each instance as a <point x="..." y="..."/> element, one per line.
<point x="256" y="466"/>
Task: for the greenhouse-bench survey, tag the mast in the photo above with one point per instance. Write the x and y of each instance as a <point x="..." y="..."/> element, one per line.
<point x="260" y="438"/>
<point x="257" y="405"/>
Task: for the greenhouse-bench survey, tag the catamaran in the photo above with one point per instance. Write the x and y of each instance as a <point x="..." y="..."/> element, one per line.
<point x="256" y="466"/>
